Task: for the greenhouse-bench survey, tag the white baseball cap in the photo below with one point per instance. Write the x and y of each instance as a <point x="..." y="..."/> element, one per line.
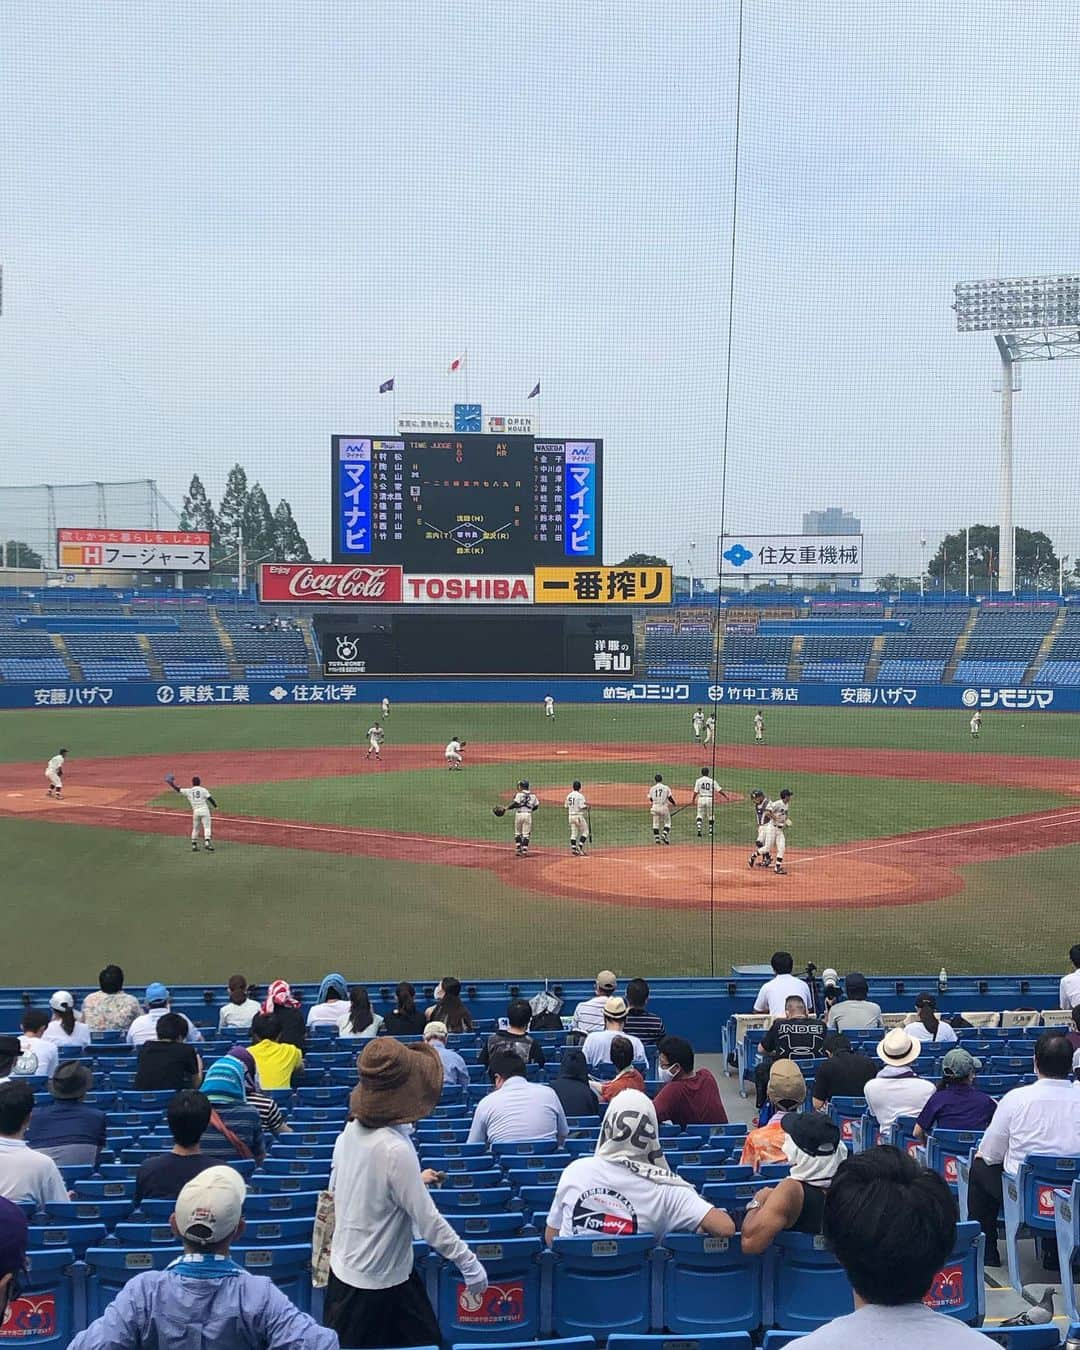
<point x="211" y="1205"/>
<point x="60" y="1000"/>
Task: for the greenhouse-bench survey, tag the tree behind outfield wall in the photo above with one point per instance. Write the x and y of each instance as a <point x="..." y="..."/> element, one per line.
<point x="230" y="514"/>
<point x="271" y="535"/>
<point x="1036" y="563"/>
<point x="15" y="553"/>
<point x="289" y="543"/>
<point x="643" y="560"/>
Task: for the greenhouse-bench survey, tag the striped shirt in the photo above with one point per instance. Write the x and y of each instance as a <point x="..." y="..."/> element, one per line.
<point x="645" y="1025"/>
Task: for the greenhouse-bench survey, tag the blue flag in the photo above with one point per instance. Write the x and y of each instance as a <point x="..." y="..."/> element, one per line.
<point x="387" y="386"/>
<point x="536" y="391"/>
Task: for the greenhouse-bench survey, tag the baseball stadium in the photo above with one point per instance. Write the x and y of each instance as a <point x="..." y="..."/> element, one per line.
<point x="469" y="539"/>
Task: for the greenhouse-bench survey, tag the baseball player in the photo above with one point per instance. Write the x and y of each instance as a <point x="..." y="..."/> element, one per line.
<point x="759" y="728"/>
<point x="524" y="804"/>
<point x="975" y="724"/>
<point x="201" y="801"/>
<point x="697" y="722"/>
<point x="385" y="708"/>
<point x="777" y="819"/>
<point x="453" y="752"/>
<point x="760" y="805"/>
<point x="710" y="730"/>
<point x="549" y="706"/>
<point x="576" y="807"/>
<point x="54" y="772"/>
<point x="661" y="800"/>
<point x="375" y="736"/>
<point x="704" y="789"/>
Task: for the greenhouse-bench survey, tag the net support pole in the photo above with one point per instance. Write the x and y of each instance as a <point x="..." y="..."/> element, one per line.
<point x="1006" y="535"/>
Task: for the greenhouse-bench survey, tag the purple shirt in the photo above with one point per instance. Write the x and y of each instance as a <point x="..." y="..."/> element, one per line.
<point x="957" y="1107"/>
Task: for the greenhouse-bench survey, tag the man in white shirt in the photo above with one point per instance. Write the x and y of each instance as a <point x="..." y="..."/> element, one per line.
<point x="144" y="1028"/>
<point x="1043" y="1117"/>
<point x="856" y="1012"/>
<point x="517" y="1109"/>
<point x="380" y="1199"/>
<point x="589" y="1014"/>
<point x="1070" y="984"/>
<point x="597" y="1045"/>
<point x="25" y="1174"/>
<point x="897" y="1090"/>
<point x="774" y="993"/>
<point x="38" y="1056"/>
<point x="241" y="1009"/>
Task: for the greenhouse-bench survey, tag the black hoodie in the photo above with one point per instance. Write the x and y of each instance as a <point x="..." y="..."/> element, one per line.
<point x="572" y="1085"/>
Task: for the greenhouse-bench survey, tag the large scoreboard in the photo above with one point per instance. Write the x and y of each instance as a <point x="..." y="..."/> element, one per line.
<point x="448" y="503"/>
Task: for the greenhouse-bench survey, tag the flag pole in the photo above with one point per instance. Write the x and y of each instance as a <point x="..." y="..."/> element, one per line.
<point x="465" y="363"/>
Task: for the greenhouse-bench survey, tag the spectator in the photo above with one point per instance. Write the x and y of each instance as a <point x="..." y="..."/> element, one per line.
<point x="236" y="1015"/>
<point x="516" y="1109"/>
<point x="68" y="1130"/>
<point x="546" y="1007"/>
<point x="1070" y="984"/>
<point x="276" y="1060"/>
<point x="856" y="1012"/>
<point x="359" y="1023"/>
<point x="270" y="1117"/>
<point x="515" y="1036"/>
<point x="891" y="1225"/>
<point x="405" y="1019"/>
<point x="626" y="1076"/>
<point x="204" y="1292"/>
<point x="647" y="1026"/>
<point x="626" y="1186"/>
<point x="1043" y="1117"/>
<point x="25" y="1174"/>
<point x="168" y="1063"/>
<point x="957" y="1104"/>
<point x="65" y="1028"/>
<point x="144" y="1028"/>
<point x="597" y="1044"/>
<point x="572" y="1084"/>
<point x="374" y="1296"/>
<point x="797" y="1204"/>
<point x="235" y="1130"/>
<point x="110" y="1008"/>
<point x="1073" y="1036"/>
<point x="455" y="1070"/>
<point x="164" y="1176"/>
<point x="925" y="1025"/>
<point x="796" y="1035"/>
<point x="845" y="1073"/>
<point x="897" y="1091"/>
<point x="448" y="1006"/>
<point x="786" y="1091"/>
<point x="589" y="1014"/>
<point x="281" y="1003"/>
<point x="773" y="994"/>
<point x="10" y="1050"/>
<point x="38" y="1057"/>
<point x="14" y="1240"/>
<point x="687" y="1098"/>
<point x="331" y="1005"/>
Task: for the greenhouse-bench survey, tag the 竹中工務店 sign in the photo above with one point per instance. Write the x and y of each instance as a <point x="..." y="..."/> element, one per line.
<point x="602" y="586"/>
<point x="134" y="550"/>
<point x="790" y="554"/>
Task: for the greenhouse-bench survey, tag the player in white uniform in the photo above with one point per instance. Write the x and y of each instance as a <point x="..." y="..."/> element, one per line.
<point x="54" y="772"/>
<point x="976" y="723"/>
<point x="704" y="790"/>
<point x="375" y="736"/>
<point x="576" y="808"/>
<point x="661" y="800"/>
<point x="523" y="805"/>
<point x="453" y="753"/>
<point x="549" y="706"/>
<point x="697" y="722"/>
<point x="760" y="807"/>
<point x="385" y="708"/>
<point x="200" y="801"/>
<point x="710" y="730"/>
<point x="759" y="728"/>
<point x="777" y="819"/>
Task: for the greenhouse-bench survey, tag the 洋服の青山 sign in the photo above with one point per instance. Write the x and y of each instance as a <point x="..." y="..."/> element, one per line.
<point x="328" y="584"/>
<point x="489" y="589"/>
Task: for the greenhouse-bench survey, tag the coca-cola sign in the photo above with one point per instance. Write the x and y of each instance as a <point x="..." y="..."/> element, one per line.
<point x="328" y="584"/>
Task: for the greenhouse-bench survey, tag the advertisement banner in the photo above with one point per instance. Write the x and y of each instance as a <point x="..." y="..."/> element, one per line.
<point x="602" y="585"/>
<point x="328" y="584"/>
<point x="509" y="424"/>
<point x="424" y="422"/>
<point x="426" y="589"/>
<point x="134" y="550"/>
<point x="785" y="555"/>
<point x="342" y="655"/>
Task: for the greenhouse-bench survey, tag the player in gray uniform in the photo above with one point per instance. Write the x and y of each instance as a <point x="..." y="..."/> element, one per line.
<point x="523" y="806"/>
<point x="760" y="807"/>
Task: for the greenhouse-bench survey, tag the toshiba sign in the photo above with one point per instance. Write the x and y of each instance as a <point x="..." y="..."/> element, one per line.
<point x="328" y="584"/>
<point x="467" y="590"/>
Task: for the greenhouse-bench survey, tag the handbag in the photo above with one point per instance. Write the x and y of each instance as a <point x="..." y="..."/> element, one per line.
<point x="322" y="1238"/>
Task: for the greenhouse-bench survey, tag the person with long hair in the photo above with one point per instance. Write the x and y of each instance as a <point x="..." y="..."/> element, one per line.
<point x="359" y="1022"/>
<point x="65" y="1028"/>
<point x="406" y="1019"/>
<point x="448" y="1007"/>
<point x="925" y="1025"/>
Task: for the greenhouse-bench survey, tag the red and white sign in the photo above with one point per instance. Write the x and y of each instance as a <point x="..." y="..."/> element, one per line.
<point x="190" y="538"/>
<point x="436" y="589"/>
<point x="328" y="584"/>
<point x="134" y="550"/>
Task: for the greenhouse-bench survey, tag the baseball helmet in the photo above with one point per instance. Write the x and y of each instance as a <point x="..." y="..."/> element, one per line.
<point x="524" y="783"/>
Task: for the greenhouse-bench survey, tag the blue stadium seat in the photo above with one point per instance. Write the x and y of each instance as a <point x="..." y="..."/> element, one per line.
<point x="959" y="1288"/>
<point x="715" y="1340"/>
<point x="732" y="1196"/>
<point x="537" y="1199"/>
<point x="601" y="1285"/>
<point x="1029" y="1203"/>
<point x="288" y="1265"/>
<point x="1067" y="1233"/>
<point x="518" y="1178"/>
<point x="804" y="1285"/>
<point x="482" y="1162"/>
<point x="489" y="1200"/>
<point x="568" y="1343"/>
<point x="110" y="1268"/>
<point x="108" y="1212"/>
<point x="43" y="1314"/>
<point x="130" y="1234"/>
<point x="77" y="1236"/>
<point x="701" y="1176"/>
<point x="511" y="1304"/>
<point x="473" y="1227"/>
<point x="523" y="1147"/>
<point x="709" y="1282"/>
<point x="944" y="1148"/>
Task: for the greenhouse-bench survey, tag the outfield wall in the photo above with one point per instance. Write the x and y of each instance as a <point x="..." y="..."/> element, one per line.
<point x="285" y="693"/>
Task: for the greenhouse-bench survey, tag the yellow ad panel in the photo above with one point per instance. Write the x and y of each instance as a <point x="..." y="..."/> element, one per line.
<point x="602" y="586"/>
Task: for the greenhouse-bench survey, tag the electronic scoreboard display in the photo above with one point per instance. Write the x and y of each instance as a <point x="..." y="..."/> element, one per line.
<point x="448" y="503"/>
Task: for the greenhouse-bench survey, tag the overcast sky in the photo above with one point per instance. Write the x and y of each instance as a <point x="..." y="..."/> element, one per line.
<point x="222" y="225"/>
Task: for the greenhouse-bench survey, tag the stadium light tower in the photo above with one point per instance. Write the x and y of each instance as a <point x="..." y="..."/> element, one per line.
<point x="1032" y="319"/>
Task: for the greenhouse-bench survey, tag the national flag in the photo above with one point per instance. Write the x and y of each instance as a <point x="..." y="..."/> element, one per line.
<point x="535" y="393"/>
<point x="387" y="386"/>
<point x="456" y="364"/>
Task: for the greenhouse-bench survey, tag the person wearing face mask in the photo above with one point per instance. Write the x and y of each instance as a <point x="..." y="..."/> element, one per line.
<point x="812" y="1146"/>
<point x="687" y="1097"/>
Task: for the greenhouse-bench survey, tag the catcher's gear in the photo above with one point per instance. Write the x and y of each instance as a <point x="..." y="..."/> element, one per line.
<point x="498" y="810"/>
<point x="170" y="779"/>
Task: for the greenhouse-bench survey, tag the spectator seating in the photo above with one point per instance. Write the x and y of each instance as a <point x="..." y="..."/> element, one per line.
<point x="1029" y="1203"/>
<point x="990" y="672"/>
<point x="1067" y="1235"/>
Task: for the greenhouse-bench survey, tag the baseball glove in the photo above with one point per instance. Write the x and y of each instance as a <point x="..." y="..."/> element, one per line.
<point x="498" y="810"/>
<point x="170" y="779"/>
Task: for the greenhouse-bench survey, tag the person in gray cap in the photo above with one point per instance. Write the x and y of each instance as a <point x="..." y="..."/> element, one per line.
<point x="957" y="1104"/>
<point x="68" y="1130"/>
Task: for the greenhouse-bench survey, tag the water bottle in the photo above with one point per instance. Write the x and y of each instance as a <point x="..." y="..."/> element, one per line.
<point x="1072" y="1341"/>
<point x="943" y="981"/>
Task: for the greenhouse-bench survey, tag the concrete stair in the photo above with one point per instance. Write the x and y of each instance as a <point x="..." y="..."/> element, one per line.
<point x="960" y="648"/>
<point x="60" y="647"/>
<point x="236" y="670"/>
<point x="154" y="666"/>
<point x="873" y="664"/>
<point x="794" y="670"/>
<point x="1046" y="646"/>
